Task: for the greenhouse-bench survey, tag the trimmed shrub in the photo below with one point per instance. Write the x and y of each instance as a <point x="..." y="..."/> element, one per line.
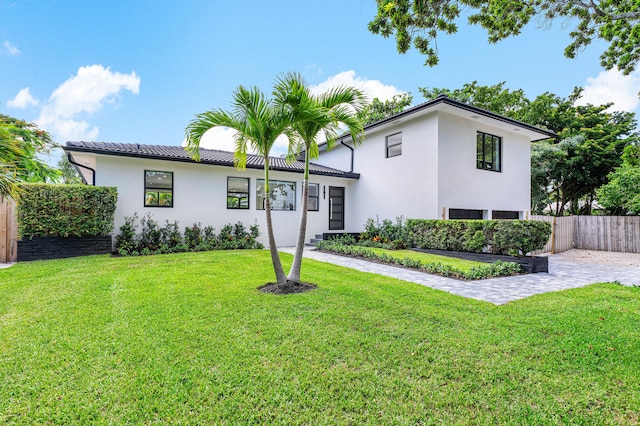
<point x="47" y="210"/>
<point x="153" y="239"/>
<point x="510" y="237"/>
<point x="488" y="270"/>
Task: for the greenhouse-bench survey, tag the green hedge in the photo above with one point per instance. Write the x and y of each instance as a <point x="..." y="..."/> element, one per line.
<point x="346" y="246"/>
<point x="511" y="237"/>
<point x="48" y="210"/>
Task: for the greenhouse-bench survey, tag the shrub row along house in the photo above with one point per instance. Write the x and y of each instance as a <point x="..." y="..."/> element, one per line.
<point x="442" y="159"/>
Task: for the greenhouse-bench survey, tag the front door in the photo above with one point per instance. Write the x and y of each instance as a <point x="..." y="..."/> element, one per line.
<point x="336" y="208"/>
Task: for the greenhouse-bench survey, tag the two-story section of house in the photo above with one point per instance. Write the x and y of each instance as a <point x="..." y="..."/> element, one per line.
<point x="439" y="160"/>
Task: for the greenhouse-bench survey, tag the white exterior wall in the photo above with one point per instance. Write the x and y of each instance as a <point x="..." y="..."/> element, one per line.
<point x="463" y="186"/>
<point x="405" y="185"/>
<point x="200" y="195"/>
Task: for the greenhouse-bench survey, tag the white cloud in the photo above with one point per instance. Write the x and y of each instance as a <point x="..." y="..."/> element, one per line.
<point x="218" y="138"/>
<point x="221" y="138"/>
<point x="612" y="86"/>
<point x="80" y="96"/>
<point x="10" y="49"/>
<point x="23" y="99"/>
<point x="372" y="88"/>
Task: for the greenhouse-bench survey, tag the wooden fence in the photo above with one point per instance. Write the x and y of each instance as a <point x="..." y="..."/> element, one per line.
<point x="602" y="233"/>
<point x="8" y="231"/>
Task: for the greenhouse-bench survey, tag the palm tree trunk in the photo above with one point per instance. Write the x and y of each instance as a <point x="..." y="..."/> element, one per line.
<point x="294" y="273"/>
<point x="281" y="278"/>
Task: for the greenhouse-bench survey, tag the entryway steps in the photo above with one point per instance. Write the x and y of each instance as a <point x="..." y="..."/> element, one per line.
<point x="317" y="239"/>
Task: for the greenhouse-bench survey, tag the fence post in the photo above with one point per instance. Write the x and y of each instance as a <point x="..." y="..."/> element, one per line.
<point x="553" y="235"/>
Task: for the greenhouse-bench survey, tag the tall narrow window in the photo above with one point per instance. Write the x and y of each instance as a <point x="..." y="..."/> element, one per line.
<point x="489" y="152"/>
<point x="282" y="195"/>
<point x="314" y="193"/>
<point x="237" y="193"/>
<point x="394" y="145"/>
<point x="158" y="189"/>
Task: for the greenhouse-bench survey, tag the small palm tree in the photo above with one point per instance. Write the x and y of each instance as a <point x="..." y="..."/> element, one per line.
<point x="332" y="112"/>
<point x="10" y="154"/>
<point x="258" y="122"/>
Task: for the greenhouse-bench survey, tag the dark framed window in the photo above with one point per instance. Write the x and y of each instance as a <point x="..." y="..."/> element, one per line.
<point x="489" y="152"/>
<point x="465" y="214"/>
<point x="282" y="195"/>
<point x="314" y="197"/>
<point x="158" y="189"/>
<point x="237" y="193"/>
<point x="505" y="214"/>
<point x="394" y="145"/>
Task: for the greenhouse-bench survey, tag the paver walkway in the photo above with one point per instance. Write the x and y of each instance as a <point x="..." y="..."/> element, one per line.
<point x="564" y="275"/>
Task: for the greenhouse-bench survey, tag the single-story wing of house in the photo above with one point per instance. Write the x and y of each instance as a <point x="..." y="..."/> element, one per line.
<point x="442" y="159"/>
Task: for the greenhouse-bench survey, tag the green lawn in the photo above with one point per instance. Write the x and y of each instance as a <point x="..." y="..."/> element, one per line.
<point x="187" y="339"/>
<point x="461" y="264"/>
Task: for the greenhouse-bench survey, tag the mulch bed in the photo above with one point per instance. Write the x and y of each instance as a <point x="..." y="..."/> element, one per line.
<point x="291" y="288"/>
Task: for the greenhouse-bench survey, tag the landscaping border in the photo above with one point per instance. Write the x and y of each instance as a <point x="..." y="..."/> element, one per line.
<point x="530" y="264"/>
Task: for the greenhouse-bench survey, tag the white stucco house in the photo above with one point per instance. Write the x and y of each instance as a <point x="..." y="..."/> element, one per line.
<point x="442" y="159"/>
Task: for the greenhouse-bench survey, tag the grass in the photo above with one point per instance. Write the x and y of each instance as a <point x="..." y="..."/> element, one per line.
<point x="460" y="264"/>
<point x="186" y="338"/>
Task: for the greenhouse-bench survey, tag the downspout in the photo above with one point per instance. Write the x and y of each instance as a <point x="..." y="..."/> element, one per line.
<point x="352" y="153"/>
<point x="93" y="172"/>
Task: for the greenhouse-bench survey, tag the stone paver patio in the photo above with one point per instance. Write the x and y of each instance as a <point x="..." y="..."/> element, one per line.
<point x="564" y="275"/>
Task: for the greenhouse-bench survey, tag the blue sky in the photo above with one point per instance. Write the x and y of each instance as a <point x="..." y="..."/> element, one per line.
<point x="139" y="71"/>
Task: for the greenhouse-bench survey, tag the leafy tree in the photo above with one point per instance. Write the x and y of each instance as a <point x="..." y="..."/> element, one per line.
<point x="68" y="173"/>
<point x="258" y="122"/>
<point x="621" y="195"/>
<point x="419" y="22"/>
<point x="494" y="98"/>
<point x="336" y="107"/>
<point x="20" y="142"/>
<point x="378" y="110"/>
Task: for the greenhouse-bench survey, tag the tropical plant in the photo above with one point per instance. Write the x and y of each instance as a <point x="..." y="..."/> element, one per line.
<point x="20" y="141"/>
<point x="327" y="114"/>
<point x="258" y="122"/>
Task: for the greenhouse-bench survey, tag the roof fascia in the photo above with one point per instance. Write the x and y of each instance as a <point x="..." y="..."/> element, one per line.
<point x="345" y="175"/>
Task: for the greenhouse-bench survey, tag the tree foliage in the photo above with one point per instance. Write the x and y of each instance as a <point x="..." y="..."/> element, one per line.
<point x="68" y="173"/>
<point x="494" y="98"/>
<point x="378" y="110"/>
<point x="621" y="195"/>
<point x="419" y="22"/>
<point x="565" y="173"/>
<point x="20" y="142"/>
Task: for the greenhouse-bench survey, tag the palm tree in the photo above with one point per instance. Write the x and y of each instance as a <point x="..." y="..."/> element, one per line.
<point x="10" y="155"/>
<point x="258" y="121"/>
<point x="20" y="142"/>
<point x="333" y="111"/>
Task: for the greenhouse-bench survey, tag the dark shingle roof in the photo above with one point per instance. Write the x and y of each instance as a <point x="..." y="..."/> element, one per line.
<point x="207" y="156"/>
